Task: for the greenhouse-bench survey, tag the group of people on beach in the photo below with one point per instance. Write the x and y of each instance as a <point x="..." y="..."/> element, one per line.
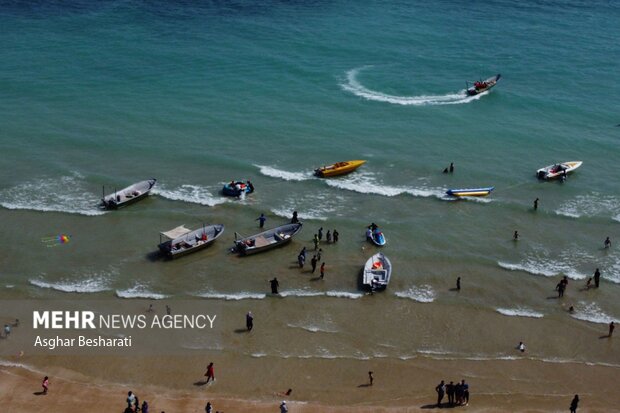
<point x="133" y="404"/>
<point x="458" y="394"/>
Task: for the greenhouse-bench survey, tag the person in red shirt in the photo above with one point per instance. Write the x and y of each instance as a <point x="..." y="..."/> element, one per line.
<point x="210" y="374"/>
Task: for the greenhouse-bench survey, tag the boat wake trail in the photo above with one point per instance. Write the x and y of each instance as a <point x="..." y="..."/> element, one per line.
<point x="286" y="175"/>
<point x="190" y="193"/>
<point x="354" y="86"/>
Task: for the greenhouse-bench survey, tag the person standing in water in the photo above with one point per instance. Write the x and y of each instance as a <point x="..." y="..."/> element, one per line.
<point x="320" y="234"/>
<point x="451" y="167"/>
<point x="515" y="237"/>
<point x="328" y="237"/>
<point x="316" y="241"/>
<point x="611" y="329"/>
<point x="607" y="243"/>
<point x="597" y="277"/>
<point x="322" y="270"/>
<point x="294" y="220"/>
<point x="261" y="220"/>
<point x="313" y="262"/>
<point x="535" y="204"/>
<point x="336" y="235"/>
<point x="274" y="285"/>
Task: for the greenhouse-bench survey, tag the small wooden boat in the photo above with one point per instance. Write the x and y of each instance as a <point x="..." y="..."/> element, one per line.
<point x="266" y="240"/>
<point x="377" y="272"/>
<point x="238" y="188"/>
<point x="376" y="237"/>
<point x="557" y="170"/>
<point x="482" y="85"/>
<point x="339" y="168"/>
<point x="182" y="241"/>
<point x="470" y="191"/>
<point x="129" y="195"/>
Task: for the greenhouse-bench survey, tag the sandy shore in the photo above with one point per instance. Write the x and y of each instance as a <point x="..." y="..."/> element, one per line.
<point x="173" y="385"/>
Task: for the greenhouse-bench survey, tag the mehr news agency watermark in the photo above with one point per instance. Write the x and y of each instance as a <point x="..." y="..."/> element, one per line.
<point x="88" y="320"/>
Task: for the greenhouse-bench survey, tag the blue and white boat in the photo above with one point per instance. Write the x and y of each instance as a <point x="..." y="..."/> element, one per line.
<point x="238" y="188"/>
<point x="376" y="237"/>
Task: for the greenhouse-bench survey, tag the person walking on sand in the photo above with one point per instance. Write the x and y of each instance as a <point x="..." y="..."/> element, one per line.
<point x="515" y="237"/>
<point x="597" y="277"/>
<point x="370" y="378"/>
<point x="249" y="321"/>
<point x="208" y="408"/>
<point x="210" y="374"/>
<point x="301" y="259"/>
<point x="261" y="220"/>
<point x="440" y="389"/>
<point x="322" y="270"/>
<point x="458" y="284"/>
<point x="283" y="407"/>
<point x="274" y="285"/>
<point x="45" y="384"/>
<point x="607" y="243"/>
<point x="560" y="287"/>
<point x="145" y="407"/>
<point x="536" y="204"/>
<point x="319" y="254"/>
<point x="521" y="347"/>
<point x="7" y="330"/>
<point x="574" y="404"/>
<point x="320" y="234"/>
<point x="313" y="262"/>
<point x="336" y="235"/>
<point x="611" y="329"/>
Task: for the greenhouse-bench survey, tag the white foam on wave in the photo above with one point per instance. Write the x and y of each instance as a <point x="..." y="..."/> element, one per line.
<point x="592" y="313"/>
<point x="616" y="218"/>
<point x="540" y="263"/>
<point x="422" y="293"/>
<point x="94" y="284"/>
<point x="139" y="291"/>
<point x="286" y="175"/>
<point x="315" y="215"/>
<point x="232" y="296"/>
<point x="344" y="294"/>
<point x="590" y="205"/>
<point x="366" y="183"/>
<point x="190" y="193"/>
<point x="519" y="312"/>
<point x="65" y="194"/>
<point x="352" y="85"/>
<point x="301" y="293"/>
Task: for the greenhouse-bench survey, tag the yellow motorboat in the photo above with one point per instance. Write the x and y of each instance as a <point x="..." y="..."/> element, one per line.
<point x="339" y="168"/>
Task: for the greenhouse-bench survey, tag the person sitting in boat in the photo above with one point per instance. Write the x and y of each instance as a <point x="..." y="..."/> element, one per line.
<point x="368" y="233"/>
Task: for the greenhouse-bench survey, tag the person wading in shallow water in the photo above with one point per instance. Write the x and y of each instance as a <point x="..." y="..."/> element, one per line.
<point x="274" y="286"/>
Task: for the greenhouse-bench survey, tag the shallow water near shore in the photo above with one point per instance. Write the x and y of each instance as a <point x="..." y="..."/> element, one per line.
<point x="197" y="95"/>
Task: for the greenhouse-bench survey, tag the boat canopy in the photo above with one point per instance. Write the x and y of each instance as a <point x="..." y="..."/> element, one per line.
<point x="175" y="233"/>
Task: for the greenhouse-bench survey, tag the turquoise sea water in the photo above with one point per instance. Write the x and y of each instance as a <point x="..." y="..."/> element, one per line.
<point x="198" y="94"/>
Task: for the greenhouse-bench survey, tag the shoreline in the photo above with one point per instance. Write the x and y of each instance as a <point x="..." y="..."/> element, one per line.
<point x="325" y="385"/>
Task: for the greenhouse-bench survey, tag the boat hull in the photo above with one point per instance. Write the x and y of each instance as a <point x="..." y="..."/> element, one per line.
<point x="470" y="192"/>
<point x="338" y="169"/>
<point x="377" y="273"/>
<point x="129" y="195"/>
<point x="267" y="240"/>
<point x="231" y="190"/>
<point x="558" y="170"/>
<point x="490" y="82"/>
<point x="191" y="242"/>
